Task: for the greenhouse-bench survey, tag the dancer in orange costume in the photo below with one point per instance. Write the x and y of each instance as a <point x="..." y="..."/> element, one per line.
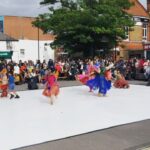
<point x="52" y="88"/>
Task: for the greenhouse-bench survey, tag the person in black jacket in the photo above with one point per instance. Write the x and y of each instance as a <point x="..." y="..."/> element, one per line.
<point x="51" y="65"/>
<point x="1" y="65"/>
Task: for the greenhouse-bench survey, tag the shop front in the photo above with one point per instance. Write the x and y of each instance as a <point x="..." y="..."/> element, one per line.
<point x="136" y="53"/>
<point x="147" y="51"/>
<point x="133" y="49"/>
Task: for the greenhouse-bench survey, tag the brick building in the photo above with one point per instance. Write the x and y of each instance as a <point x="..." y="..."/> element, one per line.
<point x="134" y="45"/>
<point x="32" y="44"/>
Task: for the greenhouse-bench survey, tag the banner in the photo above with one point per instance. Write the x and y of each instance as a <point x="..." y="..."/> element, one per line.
<point x="146" y="46"/>
<point x="6" y="54"/>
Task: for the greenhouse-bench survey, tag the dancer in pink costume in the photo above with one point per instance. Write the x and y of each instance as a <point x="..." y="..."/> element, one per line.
<point x="83" y="78"/>
<point x="52" y="88"/>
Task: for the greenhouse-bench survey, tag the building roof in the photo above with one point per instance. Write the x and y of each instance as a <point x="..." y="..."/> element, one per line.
<point x="138" y="9"/>
<point x="5" y="37"/>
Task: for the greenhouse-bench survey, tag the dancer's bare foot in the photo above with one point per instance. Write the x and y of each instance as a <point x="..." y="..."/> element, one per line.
<point x="51" y="100"/>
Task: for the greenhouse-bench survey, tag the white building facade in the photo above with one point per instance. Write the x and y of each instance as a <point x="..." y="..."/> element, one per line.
<point x="29" y="50"/>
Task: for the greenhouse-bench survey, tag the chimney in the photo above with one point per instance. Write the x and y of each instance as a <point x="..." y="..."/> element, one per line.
<point x="148" y="6"/>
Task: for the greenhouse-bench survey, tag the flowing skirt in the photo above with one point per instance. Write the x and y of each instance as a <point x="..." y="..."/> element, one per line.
<point x="121" y="83"/>
<point x="100" y="83"/>
<point x="51" y="91"/>
<point x="82" y="78"/>
<point x="4" y="90"/>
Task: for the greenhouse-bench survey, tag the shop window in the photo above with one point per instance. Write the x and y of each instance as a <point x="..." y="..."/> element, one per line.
<point x="127" y="33"/>
<point x="2" y="24"/>
<point x="8" y="45"/>
<point x="145" y="32"/>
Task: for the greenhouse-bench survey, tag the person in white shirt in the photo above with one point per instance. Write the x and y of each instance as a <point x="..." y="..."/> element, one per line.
<point x="16" y="69"/>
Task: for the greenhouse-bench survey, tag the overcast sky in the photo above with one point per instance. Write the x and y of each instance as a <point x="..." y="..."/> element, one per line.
<point x="21" y="7"/>
<point x="26" y="7"/>
<point x="143" y="2"/>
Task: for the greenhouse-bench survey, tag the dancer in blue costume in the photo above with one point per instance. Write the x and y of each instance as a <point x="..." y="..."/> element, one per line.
<point x="100" y="82"/>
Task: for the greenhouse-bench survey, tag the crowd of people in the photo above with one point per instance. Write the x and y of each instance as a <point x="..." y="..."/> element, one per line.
<point x="12" y="73"/>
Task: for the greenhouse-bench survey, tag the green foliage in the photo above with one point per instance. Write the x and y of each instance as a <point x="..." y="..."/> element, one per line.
<point x="81" y="24"/>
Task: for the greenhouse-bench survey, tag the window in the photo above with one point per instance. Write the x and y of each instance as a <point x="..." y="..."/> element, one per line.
<point x="22" y="53"/>
<point x="145" y="32"/>
<point x="1" y="24"/>
<point x="8" y="45"/>
<point x="127" y="32"/>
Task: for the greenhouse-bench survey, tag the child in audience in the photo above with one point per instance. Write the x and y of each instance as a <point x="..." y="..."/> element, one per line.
<point x="11" y="84"/>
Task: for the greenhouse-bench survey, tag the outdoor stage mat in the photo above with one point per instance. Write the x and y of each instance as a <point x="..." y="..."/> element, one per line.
<point x="32" y="120"/>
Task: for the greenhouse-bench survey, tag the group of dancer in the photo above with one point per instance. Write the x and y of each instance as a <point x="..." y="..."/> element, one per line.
<point x="99" y="77"/>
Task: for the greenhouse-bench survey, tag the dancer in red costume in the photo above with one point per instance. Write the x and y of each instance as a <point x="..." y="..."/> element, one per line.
<point x="52" y="88"/>
<point x="120" y="81"/>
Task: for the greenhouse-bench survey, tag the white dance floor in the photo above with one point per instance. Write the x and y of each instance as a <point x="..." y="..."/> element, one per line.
<point x="31" y="119"/>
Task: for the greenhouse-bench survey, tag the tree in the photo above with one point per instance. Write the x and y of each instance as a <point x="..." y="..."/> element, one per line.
<point x="81" y="25"/>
